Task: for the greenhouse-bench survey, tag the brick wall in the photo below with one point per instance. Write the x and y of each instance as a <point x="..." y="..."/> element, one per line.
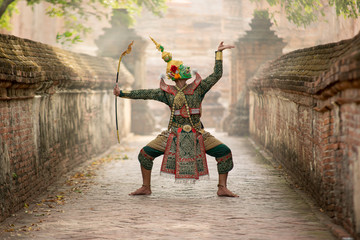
<point x="304" y="109"/>
<point x="56" y="111"/>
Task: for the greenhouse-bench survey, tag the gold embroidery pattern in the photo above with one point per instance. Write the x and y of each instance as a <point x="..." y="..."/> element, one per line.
<point x="179" y="98"/>
<point x="179" y="101"/>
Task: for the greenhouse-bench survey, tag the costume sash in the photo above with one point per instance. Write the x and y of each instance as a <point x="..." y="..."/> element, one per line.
<point x="185" y="155"/>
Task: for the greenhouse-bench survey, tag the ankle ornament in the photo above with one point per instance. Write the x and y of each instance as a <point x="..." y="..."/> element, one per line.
<point x="220" y="186"/>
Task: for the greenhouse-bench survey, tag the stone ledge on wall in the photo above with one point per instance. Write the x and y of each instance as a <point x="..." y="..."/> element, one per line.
<point x="43" y="69"/>
<point x="300" y="70"/>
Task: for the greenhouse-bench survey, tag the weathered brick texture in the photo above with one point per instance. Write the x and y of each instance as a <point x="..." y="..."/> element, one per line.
<point x="56" y="111"/>
<point x="304" y="108"/>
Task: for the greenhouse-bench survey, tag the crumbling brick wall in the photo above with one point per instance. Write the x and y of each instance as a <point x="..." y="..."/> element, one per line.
<point x="56" y="111"/>
<point x="304" y="109"/>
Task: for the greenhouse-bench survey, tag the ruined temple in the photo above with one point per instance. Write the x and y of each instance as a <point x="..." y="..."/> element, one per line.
<point x="113" y="43"/>
<point x="259" y="45"/>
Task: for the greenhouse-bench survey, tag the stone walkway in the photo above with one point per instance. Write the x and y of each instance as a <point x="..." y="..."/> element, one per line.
<point x="93" y="203"/>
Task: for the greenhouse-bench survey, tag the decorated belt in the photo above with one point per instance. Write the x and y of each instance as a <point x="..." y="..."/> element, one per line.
<point x="192" y="111"/>
<point x="187" y="127"/>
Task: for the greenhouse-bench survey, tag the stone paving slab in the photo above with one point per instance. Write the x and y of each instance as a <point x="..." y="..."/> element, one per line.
<point x="94" y="203"/>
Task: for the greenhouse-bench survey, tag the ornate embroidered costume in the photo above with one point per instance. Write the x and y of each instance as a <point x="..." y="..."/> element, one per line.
<point x="185" y="143"/>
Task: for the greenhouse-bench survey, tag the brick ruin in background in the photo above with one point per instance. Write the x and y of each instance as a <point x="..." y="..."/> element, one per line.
<point x="258" y="46"/>
<point x="112" y="43"/>
<point x="56" y="111"/>
<point x="304" y="109"/>
<point x="212" y="110"/>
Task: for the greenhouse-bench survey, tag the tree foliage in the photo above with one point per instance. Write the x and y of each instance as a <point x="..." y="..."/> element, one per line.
<point x="76" y="13"/>
<point x="7" y="8"/>
<point x="305" y="12"/>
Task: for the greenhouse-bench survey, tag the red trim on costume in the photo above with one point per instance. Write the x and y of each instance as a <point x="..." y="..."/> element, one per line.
<point x="190" y="89"/>
<point x="202" y="155"/>
<point x="168" y="88"/>
<point x="180" y="160"/>
<point x="167" y="154"/>
<point x="146" y="155"/>
<point x="183" y="112"/>
<point x="224" y="158"/>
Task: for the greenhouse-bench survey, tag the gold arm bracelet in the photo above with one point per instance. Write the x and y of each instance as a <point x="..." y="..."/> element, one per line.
<point x="219" y="55"/>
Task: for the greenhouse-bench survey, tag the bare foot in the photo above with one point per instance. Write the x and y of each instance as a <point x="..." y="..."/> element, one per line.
<point x="224" y="192"/>
<point x="144" y="190"/>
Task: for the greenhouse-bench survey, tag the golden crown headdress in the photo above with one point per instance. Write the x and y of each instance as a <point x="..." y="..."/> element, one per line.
<point x="175" y="69"/>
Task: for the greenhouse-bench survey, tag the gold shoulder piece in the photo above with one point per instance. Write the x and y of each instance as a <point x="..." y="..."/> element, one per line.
<point x="219" y="55"/>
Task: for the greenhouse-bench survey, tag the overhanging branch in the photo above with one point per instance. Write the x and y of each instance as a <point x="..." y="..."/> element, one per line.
<point x="4" y="6"/>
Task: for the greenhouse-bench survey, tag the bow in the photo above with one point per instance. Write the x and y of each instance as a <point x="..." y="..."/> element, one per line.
<point x="128" y="50"/>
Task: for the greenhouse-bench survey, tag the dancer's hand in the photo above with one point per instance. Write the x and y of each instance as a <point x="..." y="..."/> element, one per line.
<point x="116" y="90"/>
<point x="223" y="47"/>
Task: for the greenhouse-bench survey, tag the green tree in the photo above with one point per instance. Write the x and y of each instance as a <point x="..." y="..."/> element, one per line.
<point x="76" y="13"/>
<point x="305" y="12"/>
